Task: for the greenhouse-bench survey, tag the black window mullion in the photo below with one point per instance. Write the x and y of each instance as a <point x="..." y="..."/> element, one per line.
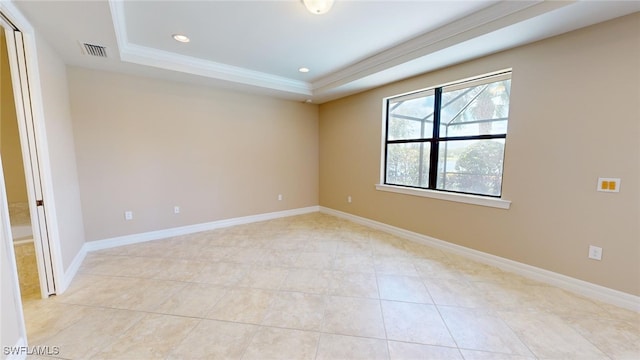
<point x="421" y="158"/>
<point x="408" y="141"/>
<point x="474" y="137"/>
<point x="433" y="161"/>
<point x="386" y="143"/>
<point x="450" y="138"/>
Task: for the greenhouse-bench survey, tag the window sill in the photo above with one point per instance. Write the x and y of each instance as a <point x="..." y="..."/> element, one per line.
<point x="441" y="195"/>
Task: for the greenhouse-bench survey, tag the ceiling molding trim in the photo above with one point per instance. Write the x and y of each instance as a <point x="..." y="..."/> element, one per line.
<point x="479" y="23"/>
<point x="143" y="55"/>
<point x="187" y="64"/>
<point x="119" y="25"/>
<point x="485" y="21"/>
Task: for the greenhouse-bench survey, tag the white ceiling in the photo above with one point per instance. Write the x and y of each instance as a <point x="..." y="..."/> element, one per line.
<point x="258" y="46"/>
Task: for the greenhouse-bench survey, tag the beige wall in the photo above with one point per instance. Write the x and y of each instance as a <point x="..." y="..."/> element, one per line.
<point x="147" y="145"/>
<point x="16" y="185"/>
<point x="61" y="152"/>
<point x="574" y="117"/>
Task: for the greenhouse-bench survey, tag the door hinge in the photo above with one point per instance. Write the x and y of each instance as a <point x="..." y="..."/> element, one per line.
<point x="39" y="202"/>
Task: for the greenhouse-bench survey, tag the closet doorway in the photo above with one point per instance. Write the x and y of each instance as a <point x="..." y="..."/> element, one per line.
<point x="22" y="168"/>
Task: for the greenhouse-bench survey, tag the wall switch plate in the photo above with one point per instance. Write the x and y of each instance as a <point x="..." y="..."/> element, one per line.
<point x="595" y="252"/>
<point x="176" y="209"/>
<point x="128" y="215"/>
<point x="609" y="184"/>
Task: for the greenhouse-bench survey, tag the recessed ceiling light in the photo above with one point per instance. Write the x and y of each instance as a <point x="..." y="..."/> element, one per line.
<point x="304" y="70"/>
<point x="181" y="38"/>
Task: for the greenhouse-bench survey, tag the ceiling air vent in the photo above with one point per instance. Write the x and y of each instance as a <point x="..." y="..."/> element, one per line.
<point x="94" y="50"/>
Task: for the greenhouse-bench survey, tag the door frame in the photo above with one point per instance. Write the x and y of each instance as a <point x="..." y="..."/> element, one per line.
<point x="17" y="22"/>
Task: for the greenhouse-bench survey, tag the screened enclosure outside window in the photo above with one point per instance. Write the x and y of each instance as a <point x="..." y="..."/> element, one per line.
<point x="450" y="138"/>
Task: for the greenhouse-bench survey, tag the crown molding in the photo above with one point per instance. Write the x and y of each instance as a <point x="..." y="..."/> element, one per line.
<point x="485" y="21"/>
<point x="143" y="55"/>
<point x="356" y="77"/>
<point x="187" y="64"/>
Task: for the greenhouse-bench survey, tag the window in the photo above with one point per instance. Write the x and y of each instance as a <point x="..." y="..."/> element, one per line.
<point x="450" y="138"/>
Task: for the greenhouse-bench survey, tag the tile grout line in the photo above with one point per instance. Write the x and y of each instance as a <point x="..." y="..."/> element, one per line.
<point x="326" y="294"/>
<point x="384" y="324"/>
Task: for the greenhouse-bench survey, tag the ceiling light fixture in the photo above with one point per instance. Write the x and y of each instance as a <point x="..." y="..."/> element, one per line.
<point x="304" y="70"/>
<point x="181" y="38"/>
<point x="318" y="7"/>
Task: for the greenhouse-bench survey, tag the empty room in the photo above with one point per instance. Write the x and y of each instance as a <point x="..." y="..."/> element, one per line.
<point x="320" y="179"/>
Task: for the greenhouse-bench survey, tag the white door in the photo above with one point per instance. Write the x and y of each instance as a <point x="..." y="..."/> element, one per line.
<point x="28" y="139"/>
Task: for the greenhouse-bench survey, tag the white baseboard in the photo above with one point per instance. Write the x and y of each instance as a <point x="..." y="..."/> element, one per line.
<point x="72" y="270"/>
<point x="19" y="349"/>
<point x="190" y="229"/>
<point x="581" y="287"/>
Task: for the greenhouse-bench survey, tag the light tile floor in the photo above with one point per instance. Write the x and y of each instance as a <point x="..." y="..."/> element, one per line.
<point x="316" y="287"/>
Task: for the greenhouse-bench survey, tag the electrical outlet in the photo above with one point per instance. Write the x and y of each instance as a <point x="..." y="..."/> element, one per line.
<point x="349" y="199"/>
<point x="176" y="209"/>
<point x="128" y="215"/>
<point x="595" y="252"/>
<point x="279" y="197"/>
<point x="609" y="184"/>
